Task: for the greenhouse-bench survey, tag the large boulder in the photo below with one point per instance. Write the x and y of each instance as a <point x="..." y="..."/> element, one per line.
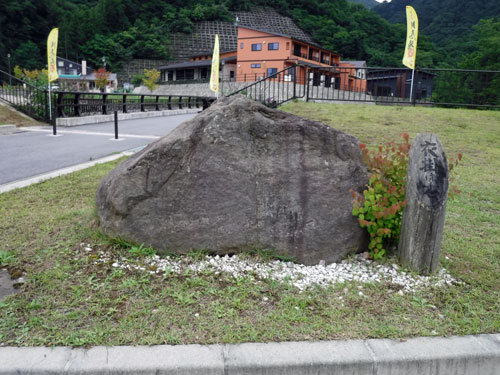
<point x="240" y="175"/>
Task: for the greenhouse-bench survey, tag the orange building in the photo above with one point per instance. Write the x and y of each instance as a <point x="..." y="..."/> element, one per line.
<point x="353" y="76"/>
<point x="260" y="54"/>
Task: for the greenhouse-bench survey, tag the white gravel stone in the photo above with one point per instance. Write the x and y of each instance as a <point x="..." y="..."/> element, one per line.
<point x="358" y="269"/>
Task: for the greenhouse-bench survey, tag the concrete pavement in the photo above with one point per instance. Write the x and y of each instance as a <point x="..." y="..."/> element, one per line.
<point x="33" y="151"/>
<point x="469" y="355"/>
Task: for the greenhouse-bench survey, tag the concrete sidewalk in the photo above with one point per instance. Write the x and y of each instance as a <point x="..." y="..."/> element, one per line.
<point x="468" y="355"/>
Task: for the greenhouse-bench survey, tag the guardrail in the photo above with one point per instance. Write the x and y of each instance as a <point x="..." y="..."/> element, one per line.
<point x="76" y="104"/>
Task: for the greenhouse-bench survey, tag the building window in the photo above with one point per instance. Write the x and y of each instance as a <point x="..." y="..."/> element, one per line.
<point x="189" y="74"/>
<point x="204" y="73"/>
<point x="328" y="81"/>
<point x="60" y="64"/>
<point x="273" y="46"/>
<point x="287" y="46"/>
<point x="170" y="75"/>
<point x="241" y="45"/>
<point x="255" y="66"/>
<point x="297" y="50"/>
<point x="257" y="47"/>
<point x="271" y="71"/>
<point x="179" y="75"/>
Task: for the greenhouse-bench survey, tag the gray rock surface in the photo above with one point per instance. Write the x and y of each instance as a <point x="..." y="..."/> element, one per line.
<point x="240" y="175"/>
<point x="426" y="194"/>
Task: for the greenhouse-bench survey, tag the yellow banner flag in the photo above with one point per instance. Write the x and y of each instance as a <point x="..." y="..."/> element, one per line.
<point x="214" y="76"/>
<point x="52" y="54"/>
<point x="411" y="38"/>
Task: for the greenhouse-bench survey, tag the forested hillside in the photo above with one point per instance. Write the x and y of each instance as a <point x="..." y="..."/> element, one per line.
<point x="367" y="3"/>
<point x="122" y="30"/>
<point x="449" y="23"/>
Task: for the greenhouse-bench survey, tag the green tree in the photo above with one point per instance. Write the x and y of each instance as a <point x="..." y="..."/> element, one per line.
<point x="151" y="78"/>
<point x="28" y="55"/>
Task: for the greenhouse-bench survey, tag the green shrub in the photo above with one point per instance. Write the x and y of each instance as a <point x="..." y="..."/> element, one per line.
<point x="380" y="208"/>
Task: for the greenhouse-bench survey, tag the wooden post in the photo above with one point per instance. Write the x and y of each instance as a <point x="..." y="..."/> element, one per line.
<point x="426" y="194"/>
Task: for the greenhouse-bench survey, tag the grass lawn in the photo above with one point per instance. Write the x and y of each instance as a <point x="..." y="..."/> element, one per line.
<point x="69" y="300"/>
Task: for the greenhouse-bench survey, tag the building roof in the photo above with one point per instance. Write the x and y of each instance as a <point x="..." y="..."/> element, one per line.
<point x="356" y="64"/>
<point x="196" y="64"/>
<point x="88" y="77"/>
<point x="202" y="38"/>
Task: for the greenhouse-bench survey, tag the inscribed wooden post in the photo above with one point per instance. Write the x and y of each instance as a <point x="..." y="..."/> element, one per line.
<point x="426" y="194"/>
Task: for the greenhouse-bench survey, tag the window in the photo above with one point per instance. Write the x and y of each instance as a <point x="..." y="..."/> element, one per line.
<point x="271" y="71"/>
<point x="170" y="75"/>
<point x="328" y="81"/>
<point x="255" y="66"/>
<point x="241" y="45"/>
<point x="287" y="46"/>
<point x="257" y="47"/>
<point x="60" y="63"/>
<point x="189" y="74"/>
<point x="273" y="46"/>
<point x="203" y="73"/>
<point x="316" y="79"/>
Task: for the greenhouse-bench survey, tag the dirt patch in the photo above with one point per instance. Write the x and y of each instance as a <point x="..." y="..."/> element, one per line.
<point x="9" y="115"/>
<point x="6" y="285"/>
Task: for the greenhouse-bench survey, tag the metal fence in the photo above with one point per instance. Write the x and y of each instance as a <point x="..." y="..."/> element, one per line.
<point x="437" y="87"/>
<point x="276" y="89"/>
<point x="76" y="104"/>
<point x="24" y="96"/>
<point x="34" y="101"/>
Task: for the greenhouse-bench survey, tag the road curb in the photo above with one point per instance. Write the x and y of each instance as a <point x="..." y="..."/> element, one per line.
<point x="467" y="355"/>
<point x="61" y="172"/>
<point x="97" y="119"/>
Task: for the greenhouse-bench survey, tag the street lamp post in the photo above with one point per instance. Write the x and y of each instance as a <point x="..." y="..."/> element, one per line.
<point x="10" y="78"/>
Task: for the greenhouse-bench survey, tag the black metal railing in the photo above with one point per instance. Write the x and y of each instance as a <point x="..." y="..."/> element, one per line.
<point x="34" y="101"/>
<point x="76" y="104"/>
<point x="439" y="87"/>
<point x="275" y="89"/>
<point x="24" y="96"/>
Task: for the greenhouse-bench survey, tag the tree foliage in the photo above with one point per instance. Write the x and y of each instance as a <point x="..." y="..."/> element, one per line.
<point x="151" y="78"/>
<point x="448" y="23"/>
<point x="101" y="78"/>
<point x="121" y="30"/>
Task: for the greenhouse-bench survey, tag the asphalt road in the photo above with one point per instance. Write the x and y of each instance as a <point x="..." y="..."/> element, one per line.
<point x="33" y="150"/>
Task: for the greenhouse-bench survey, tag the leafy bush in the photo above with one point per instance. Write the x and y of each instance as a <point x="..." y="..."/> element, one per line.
<point x="380" y="208"/>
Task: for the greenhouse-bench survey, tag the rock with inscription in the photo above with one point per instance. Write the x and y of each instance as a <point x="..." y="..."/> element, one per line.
<point x="426" y="195"/>
<point x="240" y="175"/>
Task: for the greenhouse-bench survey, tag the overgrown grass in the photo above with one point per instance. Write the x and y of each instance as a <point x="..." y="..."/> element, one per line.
<point x="69" y="300"/>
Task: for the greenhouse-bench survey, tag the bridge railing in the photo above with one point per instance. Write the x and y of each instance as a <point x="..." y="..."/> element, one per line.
<point x="76" y="104"/>
<point x="24" y="96"/>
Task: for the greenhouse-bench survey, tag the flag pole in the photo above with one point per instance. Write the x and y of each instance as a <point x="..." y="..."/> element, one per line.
<point x="411" y="87"/>
<point x="50" y="105"/>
